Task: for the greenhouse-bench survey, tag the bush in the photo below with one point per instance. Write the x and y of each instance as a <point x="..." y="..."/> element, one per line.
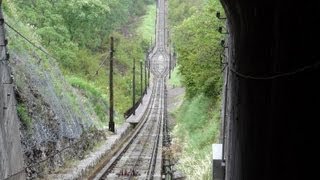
<point x="24" y="115"/>
<point x="198" y="123"/>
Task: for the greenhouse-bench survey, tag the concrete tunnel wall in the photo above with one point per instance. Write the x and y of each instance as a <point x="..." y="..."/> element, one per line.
<point x="11" y="159"/>
<point x="272" y="130"/>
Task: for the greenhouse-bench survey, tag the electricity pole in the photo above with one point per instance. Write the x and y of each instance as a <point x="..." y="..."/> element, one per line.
<point x="145" y="75"/>
<point x="169" y="63"/>
<point x="111" y="121"/>
<point x="141" y="80"/>
<point x="134" y="86"/>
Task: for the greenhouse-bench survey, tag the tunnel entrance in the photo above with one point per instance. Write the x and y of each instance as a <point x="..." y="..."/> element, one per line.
<point x="273" y="93"/>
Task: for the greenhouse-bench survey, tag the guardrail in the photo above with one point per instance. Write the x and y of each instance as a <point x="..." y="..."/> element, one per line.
<point x="130" y="111"/>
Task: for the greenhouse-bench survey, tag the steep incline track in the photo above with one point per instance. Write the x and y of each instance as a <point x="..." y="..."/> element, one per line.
<point x="141" y="156"/>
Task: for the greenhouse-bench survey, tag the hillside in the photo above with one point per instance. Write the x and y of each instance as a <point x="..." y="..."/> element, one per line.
<point x="58" y="56"/>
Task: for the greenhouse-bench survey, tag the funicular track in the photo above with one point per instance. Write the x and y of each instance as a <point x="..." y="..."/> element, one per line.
<point x="140" y="157"/>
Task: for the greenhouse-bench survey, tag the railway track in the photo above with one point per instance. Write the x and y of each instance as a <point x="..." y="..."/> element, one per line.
<point x="140" y="157"/>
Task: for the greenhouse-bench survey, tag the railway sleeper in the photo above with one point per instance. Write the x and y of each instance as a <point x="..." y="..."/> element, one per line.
<point x="128" y="173"/>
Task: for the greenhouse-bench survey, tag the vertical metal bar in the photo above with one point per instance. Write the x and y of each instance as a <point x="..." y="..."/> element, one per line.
<point x="134" y="86"/>
<point x="111" y="118"/>
<point x="145" y="76"/>
<point x="141" y="80"/>
<point x="149" y="71"/>
<point x="170" y="63"/>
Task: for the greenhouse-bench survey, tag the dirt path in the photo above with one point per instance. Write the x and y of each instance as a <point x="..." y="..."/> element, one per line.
<point x="175" y="99"/>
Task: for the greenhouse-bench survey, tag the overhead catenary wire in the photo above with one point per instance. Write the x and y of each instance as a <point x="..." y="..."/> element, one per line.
<point x="51" y="56"/>
<point x="61" y="150"/>
<point x="242" y="75"/>
<point x="29" y="41"/>
<point x="45" y="52"/>
<point x="100" y="65"/>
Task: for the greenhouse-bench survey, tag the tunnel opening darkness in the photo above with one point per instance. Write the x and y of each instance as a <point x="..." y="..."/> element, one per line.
<point x="273" y="93"/>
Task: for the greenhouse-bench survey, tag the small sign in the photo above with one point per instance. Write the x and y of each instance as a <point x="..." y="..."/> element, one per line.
<point x="217" y="161"/>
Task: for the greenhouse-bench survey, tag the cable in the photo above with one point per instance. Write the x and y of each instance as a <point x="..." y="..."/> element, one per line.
<point x="52" y="155"/>
<point x="245" y="76"/>
<point x="100" y="66"/>
<point x="12" y="175"/>
<point x="39" y="48"/>
<point x="29" y="41"/>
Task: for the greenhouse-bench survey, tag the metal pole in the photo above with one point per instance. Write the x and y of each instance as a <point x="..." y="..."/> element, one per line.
<point x="141" y="81"/>
<point x="134" y="86"/>
<point x="111" y="122"/>
<point x="149" y="69"/>
<point x="145" y="75"/>
<point x="169" y="63"/>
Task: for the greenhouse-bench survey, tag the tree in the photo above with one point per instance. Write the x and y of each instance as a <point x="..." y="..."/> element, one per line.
<point x="197" y="42"/>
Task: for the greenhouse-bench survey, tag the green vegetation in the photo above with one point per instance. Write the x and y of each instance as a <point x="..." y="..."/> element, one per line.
<point x="197" y="45"/>
<point x="180" y="10"/>
<point x="24" y="115"/>
<point x="198" y="122"/>
<point x="194" y="33"/>
<point x="176" y="79"/>
<point x="148" y="24"/>
<point x="96" y="97"/>
<point x="77" y="33"/>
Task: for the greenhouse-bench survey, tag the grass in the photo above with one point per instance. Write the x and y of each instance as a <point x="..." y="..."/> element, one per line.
<point x="24" y="115"/>
<point x="97" y="98"/>
<point x="198" y="122"/>
<point x="85" y="85"/>
<point x="93" y="91"/>
<point x="147" y="26"/>
<point x="175" y="79"/>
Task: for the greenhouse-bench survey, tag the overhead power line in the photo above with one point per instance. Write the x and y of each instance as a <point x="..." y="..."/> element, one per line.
<point x="29" y="41"/>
